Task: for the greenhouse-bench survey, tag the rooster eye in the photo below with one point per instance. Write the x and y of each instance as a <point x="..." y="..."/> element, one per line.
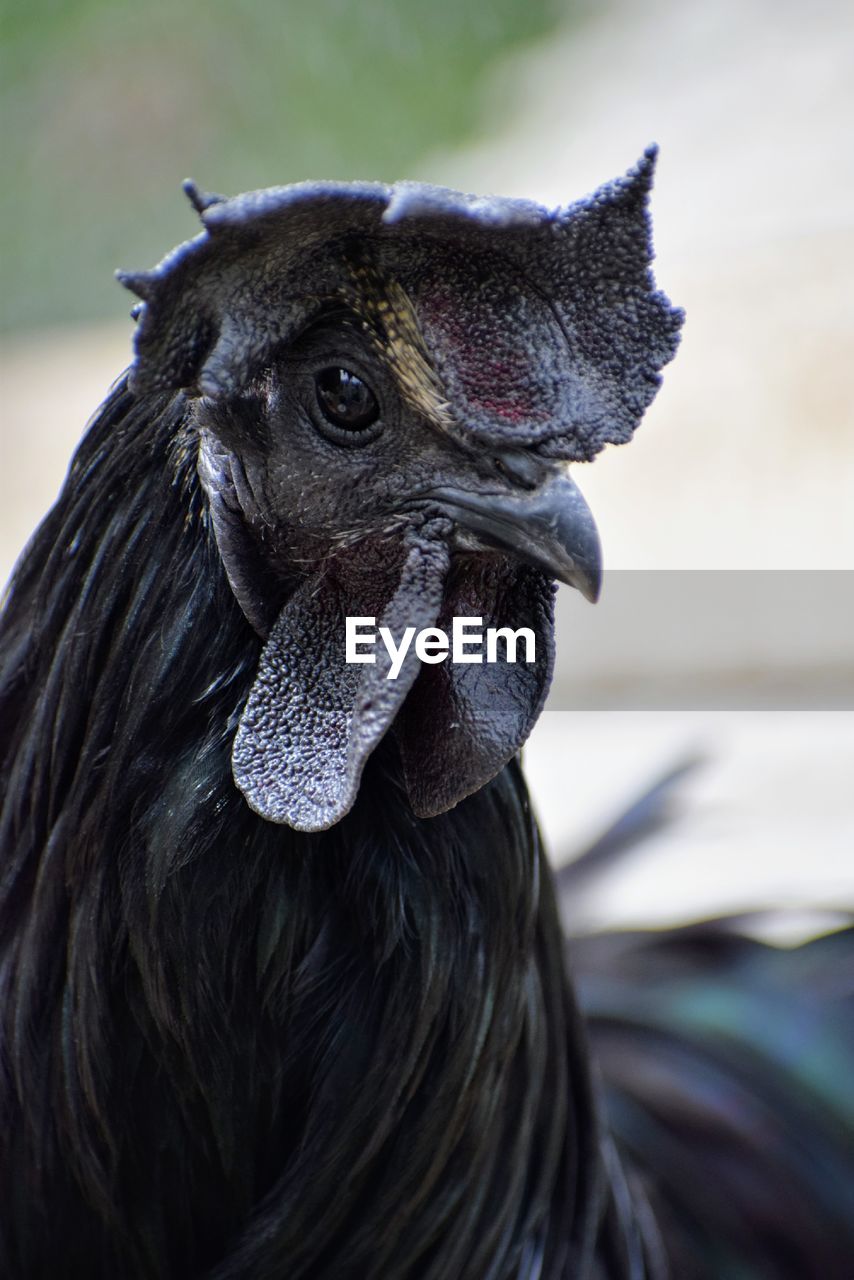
<point x="345" y="400"/>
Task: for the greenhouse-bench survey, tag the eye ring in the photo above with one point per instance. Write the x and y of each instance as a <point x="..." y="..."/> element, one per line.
<point x="349" y="412"/>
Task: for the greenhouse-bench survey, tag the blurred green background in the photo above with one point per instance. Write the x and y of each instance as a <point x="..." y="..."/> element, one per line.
<point x="106" y="106"/>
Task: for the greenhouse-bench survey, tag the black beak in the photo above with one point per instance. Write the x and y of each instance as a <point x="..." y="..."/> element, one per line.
<point x="550" y="527"/>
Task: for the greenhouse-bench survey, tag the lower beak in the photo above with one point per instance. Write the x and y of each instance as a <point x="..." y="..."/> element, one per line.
<point x="550" y="527"/>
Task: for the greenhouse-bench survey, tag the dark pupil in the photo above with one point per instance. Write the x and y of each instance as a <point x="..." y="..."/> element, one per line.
<point x="346" y="400"/>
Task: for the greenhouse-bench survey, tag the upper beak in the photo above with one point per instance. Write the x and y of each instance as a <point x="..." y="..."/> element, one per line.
<point x="550" y="527"/>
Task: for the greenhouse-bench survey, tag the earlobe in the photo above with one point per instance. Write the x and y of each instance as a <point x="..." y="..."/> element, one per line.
<point x="248" y="576"/>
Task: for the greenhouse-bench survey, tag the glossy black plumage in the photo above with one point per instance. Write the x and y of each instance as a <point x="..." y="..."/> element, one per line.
<point x="244" y="1050"/>
<point x="727" y="1070"/>
<point x="231" y="1048"/>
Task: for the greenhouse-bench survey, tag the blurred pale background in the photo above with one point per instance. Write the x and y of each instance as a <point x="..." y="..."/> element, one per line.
<point x="746" y="460"/>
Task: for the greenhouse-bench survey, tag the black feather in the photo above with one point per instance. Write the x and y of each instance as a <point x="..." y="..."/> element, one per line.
<point x="230" y="1047"/>
<point x="234" y="1049"/>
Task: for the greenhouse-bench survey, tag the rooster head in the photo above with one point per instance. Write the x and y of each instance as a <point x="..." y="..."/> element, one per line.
<point x="387" y="386"/>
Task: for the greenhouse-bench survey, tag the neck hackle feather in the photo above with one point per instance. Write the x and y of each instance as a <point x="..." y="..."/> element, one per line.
<point x="235" y="1048"/>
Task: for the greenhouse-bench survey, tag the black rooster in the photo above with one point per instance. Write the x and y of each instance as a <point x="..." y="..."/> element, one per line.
<point x="283" y="983"/>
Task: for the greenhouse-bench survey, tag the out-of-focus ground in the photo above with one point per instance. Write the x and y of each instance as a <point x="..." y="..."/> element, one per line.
<point x="745" y="461"/>
<point x="765" y="820"/>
